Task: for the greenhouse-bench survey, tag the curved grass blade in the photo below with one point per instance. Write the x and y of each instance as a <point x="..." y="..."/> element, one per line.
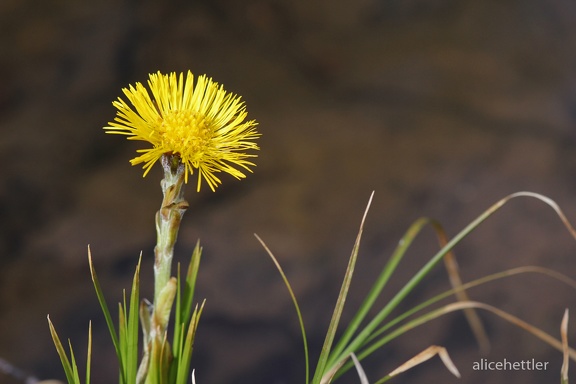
<point x="108" y="318"/>
<point x="296" y="306"/>
<point x="420" y="358"/>
<point x="461" y="295"/>
<point x="360" y="370"/>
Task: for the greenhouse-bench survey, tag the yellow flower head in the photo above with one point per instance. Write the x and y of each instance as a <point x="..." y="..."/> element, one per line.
<point x="201" y="123"/>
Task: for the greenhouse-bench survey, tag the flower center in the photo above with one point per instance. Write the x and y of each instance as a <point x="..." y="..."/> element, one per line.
<point x="186" y="132"/>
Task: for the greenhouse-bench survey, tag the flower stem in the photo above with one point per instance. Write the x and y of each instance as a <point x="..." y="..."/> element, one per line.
<point x="168" y="220"/>
<point x="155" y="365"/>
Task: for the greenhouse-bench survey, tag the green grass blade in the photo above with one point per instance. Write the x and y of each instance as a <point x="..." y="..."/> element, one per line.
<point x="122" y="327"/>
<point x="296" y="306"/>
<point x="164" y="361"/>
<point x="326" y="348"/>
<point x="146" y="343"/>
<point x="68" y="369"/>
<point x="153" y="374"/>
<point x="89" y="354"/>
<point x="184" y="365"/>
<point x="185" y="299"/>
<point x="107" y="317"/>
<point x="177" y="343"/>
<point x="131" y="356"/>
<point x="73" y="363"/>
<point x="189" y="288"/>
<point x="378" y="286"/>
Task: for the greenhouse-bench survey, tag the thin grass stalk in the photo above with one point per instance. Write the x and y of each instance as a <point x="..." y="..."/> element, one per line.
<point x="379" y="285"/>
<point x="178" y="329"/>
<point x="296" y="306"/>
<point x="132" y="326"/>
<point x="361" y="374"/>
<point x="461" y="294"/>
<point x="565" y="349"/>
<point x="73" y="363"/>
<point x="184" y="366"/>
<point x="332" y="328"/>
<point x="89" y="354"/>
<point x="184" y="300"/>
<point x="108" y="318"/>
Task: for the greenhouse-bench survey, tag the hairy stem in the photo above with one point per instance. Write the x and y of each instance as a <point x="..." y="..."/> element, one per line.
<point x="157" y="350"/>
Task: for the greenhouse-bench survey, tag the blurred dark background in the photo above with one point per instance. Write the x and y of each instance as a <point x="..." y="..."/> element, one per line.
<point x="442" y="107"/>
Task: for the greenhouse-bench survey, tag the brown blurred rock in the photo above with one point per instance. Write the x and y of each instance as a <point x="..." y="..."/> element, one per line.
<point x="442" y="107"/>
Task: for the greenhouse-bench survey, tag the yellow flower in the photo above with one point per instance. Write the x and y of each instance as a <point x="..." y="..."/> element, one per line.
<point x="201" y="123"/>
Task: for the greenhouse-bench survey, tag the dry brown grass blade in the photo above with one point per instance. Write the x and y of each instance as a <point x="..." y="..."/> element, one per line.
<point x="329" y="375"/>
<point x="531" y="269"/>
<point x="564" y="337"/>
<point x="519" y="271"/>
<point x="461" y="295"/>
<point x="546" y="200"/>
<point x="426" y="355"/>
<point x="359" y="369"/>
<point x="550" y="340"/>
<point x="453" y="271"/>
